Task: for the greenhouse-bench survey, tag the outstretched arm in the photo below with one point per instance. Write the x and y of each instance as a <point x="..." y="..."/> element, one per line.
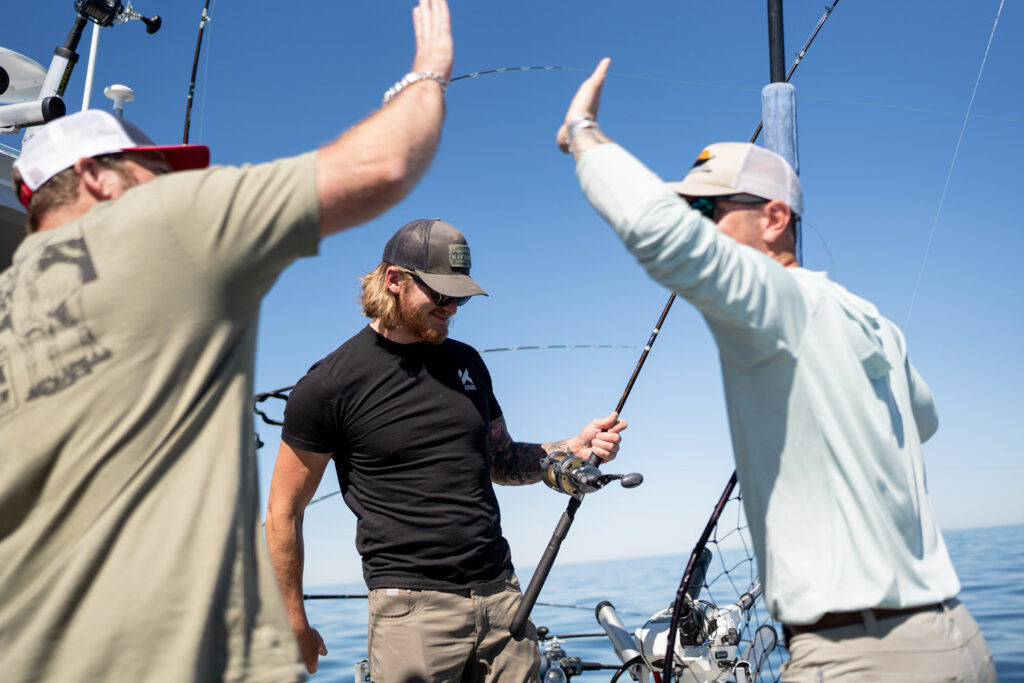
<point x="514" y="462"/>
<point x="584" y="107"/>
<point x="297" y="473"/>
<point x="379" y="160"/>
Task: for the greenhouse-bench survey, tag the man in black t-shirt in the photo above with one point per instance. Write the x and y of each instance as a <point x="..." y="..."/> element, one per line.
<point x="410" y="419"/>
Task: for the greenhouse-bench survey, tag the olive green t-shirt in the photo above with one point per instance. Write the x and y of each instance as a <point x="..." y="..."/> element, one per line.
<point x="130" y="546"/>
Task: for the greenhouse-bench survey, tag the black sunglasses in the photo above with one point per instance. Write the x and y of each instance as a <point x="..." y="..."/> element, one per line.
<point x="437" y="298"/>
<point x="708" y="206"/>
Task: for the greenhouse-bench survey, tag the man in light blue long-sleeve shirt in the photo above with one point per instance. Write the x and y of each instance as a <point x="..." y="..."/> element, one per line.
<point x="827" y="413"/>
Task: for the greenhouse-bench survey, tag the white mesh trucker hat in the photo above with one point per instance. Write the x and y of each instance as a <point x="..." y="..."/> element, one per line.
<point x="60" y="143"/>
<point x="726" y="168"/>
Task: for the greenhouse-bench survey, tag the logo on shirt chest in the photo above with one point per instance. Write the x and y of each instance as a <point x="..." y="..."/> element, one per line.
<point x="467" y="381"/>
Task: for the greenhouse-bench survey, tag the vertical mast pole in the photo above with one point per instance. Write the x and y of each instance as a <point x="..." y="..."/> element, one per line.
<point x="778" y="104"/>
<point x="776" y="42"/>
<point x="778" y="98"/>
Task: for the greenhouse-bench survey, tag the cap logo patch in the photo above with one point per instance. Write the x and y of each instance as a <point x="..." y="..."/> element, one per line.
<point x="458" y="256"/>
<point x="703" y="158"/>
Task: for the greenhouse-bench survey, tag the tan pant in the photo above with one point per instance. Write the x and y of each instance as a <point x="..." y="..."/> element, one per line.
<point x="417" y="636"/>
<point x="929" y="646"/>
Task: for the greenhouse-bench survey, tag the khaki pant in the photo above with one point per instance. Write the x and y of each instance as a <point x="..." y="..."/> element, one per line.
<point x="419" y="635"/>
<point x="928" y="646"/>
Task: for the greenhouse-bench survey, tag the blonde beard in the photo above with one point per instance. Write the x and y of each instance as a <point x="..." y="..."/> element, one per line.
<point x="415" y="321"/>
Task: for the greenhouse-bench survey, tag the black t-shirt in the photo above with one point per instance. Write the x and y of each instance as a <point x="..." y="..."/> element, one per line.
<point x="407" y="427"/>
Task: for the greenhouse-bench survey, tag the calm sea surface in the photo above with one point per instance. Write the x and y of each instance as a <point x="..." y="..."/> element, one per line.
<point x="990" y="563"/>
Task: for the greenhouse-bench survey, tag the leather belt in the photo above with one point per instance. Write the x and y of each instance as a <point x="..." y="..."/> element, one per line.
<point x="837" y="619"/>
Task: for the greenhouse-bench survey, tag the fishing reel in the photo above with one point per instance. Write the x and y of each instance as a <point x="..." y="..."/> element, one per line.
<point x="555" y="665"/>
<point x="574" y="476"/>
<point x="708" y="644"/>
<point x="108" y="12"/>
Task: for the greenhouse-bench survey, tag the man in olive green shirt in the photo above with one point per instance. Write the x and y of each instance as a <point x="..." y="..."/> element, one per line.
<point x="129" y="531"/>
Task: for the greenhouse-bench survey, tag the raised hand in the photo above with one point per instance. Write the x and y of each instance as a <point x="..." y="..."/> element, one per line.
<point x="584" y="103"/>
<point x="433" y="27"/>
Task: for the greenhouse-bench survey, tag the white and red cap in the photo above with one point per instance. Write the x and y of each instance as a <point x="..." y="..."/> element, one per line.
<point x="92" y="133"/>
<point x="727" y="168"/>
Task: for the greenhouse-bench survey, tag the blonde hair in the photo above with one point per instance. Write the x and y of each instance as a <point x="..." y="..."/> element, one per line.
<point x="379" y="302"/>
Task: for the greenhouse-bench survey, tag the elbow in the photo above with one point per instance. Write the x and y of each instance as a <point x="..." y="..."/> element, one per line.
<point x="396" y="176"/>
<point x="281" y="517"/>
<point x="928" y="428"/>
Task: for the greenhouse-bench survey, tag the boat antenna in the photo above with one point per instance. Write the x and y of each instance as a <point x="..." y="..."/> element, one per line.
<point x="547" y="560"/>
<point x="195" y="66"/>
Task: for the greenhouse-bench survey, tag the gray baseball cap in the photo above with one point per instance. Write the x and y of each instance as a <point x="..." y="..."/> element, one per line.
<point x="437" y="252"/>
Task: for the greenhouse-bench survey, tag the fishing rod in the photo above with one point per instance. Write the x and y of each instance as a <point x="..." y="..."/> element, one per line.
<point x="799" y="57"/>
<point x="565" y="522"/>
<point x="693" y="577"/>
<point x="195" y="66"/>
<point x="505" y="69"/>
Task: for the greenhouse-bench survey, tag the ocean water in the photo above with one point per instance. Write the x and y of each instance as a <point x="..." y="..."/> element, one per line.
<point x="990" y="563"/>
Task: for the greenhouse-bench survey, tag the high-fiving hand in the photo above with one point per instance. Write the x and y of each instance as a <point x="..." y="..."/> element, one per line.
<point x="585" y="103"/>
<point x="433" y="27"/>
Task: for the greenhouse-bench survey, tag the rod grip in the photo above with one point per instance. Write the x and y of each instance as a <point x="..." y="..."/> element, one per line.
<point x="540" y="575"/>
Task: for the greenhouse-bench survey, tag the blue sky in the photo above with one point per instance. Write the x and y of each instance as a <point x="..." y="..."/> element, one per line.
<point x="882" y="97"/>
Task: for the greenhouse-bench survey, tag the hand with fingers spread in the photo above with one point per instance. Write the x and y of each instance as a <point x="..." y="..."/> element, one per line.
<point x="600" y="438"/>
<point x="584" y="106"/>
<point x="434" y="50"/>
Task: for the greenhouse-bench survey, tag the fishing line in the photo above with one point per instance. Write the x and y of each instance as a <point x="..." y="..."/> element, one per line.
<point x="206" y="74"/>
<point x="544" y="347"/>
<point x="949" y="175"/>
<point x="282" y="393"/>
<point x="588" y="608"/>
<point x="907" y="108"/>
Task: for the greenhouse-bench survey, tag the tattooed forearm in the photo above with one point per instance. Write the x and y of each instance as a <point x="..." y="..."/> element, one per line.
<point x="512" y="462"/>
<point x="556" y="446"/>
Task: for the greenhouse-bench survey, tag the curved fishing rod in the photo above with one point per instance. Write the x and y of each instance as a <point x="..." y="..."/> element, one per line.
<point x="693" y="577"/>
<point x="565" y="522"/>
<point x="195" y="66"/>
<point x="505" y="69"/>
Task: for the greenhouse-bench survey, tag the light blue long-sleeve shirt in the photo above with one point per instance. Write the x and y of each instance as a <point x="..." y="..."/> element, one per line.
<point x="827" y="414"/>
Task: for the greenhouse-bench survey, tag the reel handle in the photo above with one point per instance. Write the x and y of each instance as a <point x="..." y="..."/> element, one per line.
<point x="152" y="23"/>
